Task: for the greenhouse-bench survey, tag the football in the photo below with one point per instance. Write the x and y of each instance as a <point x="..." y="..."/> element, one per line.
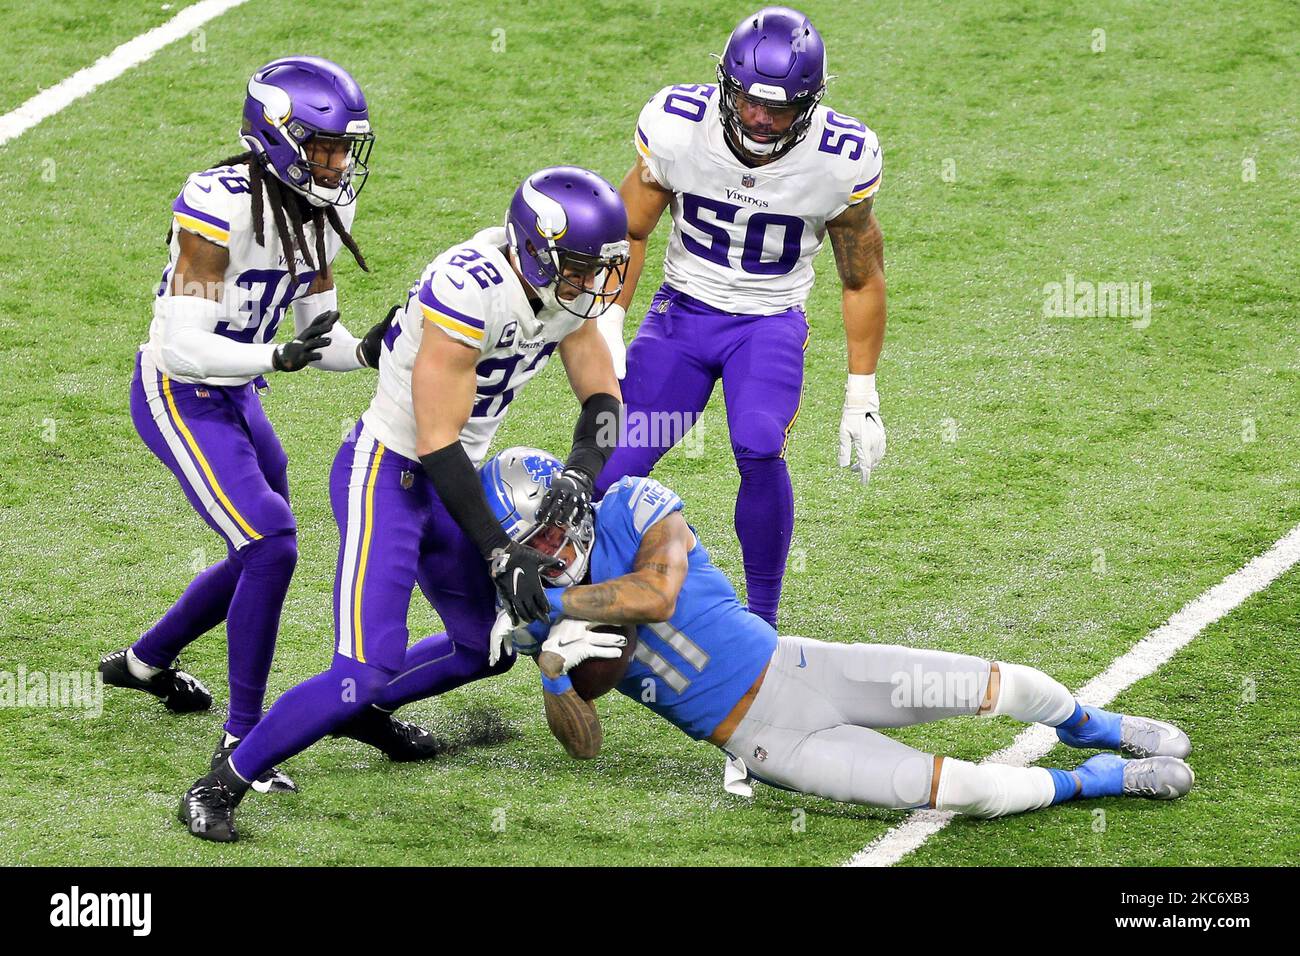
<point x="599" y="675"/>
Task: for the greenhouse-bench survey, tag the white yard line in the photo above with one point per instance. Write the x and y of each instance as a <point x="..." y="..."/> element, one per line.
<point x="132" y="53"/>
<point x="1142" y="661"/>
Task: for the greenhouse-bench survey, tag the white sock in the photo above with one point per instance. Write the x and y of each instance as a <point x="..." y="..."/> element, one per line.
<point x="138" y="668"/>
<point x="1030" y="695"/>
<point x="991" y="789"/>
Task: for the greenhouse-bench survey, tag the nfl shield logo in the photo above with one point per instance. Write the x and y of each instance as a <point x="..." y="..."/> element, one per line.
<point x="408" y="479"/>
<point x="747" y="181"/>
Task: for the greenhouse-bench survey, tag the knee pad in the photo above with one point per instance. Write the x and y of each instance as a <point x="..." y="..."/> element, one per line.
<point x="992" y="790"/>
<point x="360" y="685"/>
<point x="1030" y="695"/>
<point x="758" y="441"/>
<point x="278" y="553"/>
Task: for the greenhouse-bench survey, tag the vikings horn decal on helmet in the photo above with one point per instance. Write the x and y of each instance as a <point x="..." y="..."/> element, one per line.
<point x="289" y="101"/>
<point x="775" y="59"/>
<point x="516" y="480"/>
<point x="567" y="228"/>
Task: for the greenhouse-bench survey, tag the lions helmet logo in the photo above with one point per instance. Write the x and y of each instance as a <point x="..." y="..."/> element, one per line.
<point x="541" y="469"/>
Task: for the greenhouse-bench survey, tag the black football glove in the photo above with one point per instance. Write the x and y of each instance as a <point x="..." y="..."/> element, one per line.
<point x="370" y="346"/>
<point x="306" y="346"/>
<point x="568" y="500"/>
<point x="517" y="573"/>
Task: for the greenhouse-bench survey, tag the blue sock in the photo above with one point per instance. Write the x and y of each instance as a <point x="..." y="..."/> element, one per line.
<point x="1075" y="717"/>
<point x="1101" y="775"/>
<point x="1101" y="730"/>
<point x="1065" y="783"/>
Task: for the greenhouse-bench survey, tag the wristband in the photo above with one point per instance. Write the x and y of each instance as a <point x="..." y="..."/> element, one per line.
<point x="860" y="386"/>
<point x="557" y="685"/>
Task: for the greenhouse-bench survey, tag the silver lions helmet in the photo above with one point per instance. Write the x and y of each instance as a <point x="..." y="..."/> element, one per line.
<point x="515" y="481"/>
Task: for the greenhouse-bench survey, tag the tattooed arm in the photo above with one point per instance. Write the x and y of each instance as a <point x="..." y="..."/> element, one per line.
<point x="572" y="720"/>
<point x="860" y="258"/>
<point x="649" y="594"/>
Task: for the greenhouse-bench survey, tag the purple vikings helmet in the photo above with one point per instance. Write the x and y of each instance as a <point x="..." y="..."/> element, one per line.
<point x="289" y="101"/>
<point x="568" y="219"/>
<point x="776" y="59"/>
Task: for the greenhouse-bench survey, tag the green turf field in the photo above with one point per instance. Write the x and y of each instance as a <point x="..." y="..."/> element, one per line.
<point x="1055" y="487"/>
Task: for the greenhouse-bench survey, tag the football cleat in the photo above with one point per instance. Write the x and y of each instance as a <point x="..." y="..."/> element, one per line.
<point x="208" y="810"/>
<point x="274" y="780"/>
<point x="1160" y="778"/>
<point x="399" y="740"/>
<point x="1145" y="737"/>
<point x="1135" y="736"/>
<point x="180" y="692"/>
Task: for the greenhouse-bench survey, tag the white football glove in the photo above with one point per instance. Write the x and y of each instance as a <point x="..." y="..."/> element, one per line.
<point x="501" y="641"/>
<point x="610" y="327"/>
<point x="861" y="429"/>
<point x="575" y="641"/>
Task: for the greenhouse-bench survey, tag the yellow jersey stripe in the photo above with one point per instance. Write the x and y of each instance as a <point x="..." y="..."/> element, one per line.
<point x="201" y="227"/>
<point x="369" y="507"/>
<point x="203" y="462"/>
<point x="453" y="325"/>
<point x="869" y="191"/>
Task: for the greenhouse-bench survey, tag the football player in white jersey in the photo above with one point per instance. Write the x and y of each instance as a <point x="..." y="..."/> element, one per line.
<point x="483" y="319"/>
<point x="756" y="173"/>
<point x="251" y="238"/>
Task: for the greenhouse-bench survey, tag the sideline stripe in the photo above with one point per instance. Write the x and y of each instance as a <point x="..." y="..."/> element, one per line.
<point x="131" y="53"/>
<point x="1141" y="661"/>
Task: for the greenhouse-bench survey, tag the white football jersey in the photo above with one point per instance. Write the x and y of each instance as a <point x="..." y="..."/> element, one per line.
<point x="257" y="292"/>
<point x="744" y="238"/>
<point x="472" y="294"/>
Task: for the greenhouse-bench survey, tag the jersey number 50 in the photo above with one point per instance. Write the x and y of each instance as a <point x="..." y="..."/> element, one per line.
<point x="707" y="214"/>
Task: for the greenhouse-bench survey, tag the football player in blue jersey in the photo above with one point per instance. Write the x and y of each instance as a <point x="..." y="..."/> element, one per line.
<point x="789" y="711"/>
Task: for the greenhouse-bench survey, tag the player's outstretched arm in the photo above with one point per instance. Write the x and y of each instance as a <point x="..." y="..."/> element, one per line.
<point x="860" y="259"/>
<point x="573" y="721"/>
<point x="344" y="352"/>
<point x="190" y="314"/>
<point x="646" y="201"/>
<point x="595" y="436"/>
<point x="587" y="364"/>
<point x="649" y="594"/>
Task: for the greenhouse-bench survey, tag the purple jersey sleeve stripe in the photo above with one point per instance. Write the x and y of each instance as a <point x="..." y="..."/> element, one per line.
<point x="185" y="209"/>
<point x="867" y="185"/>
<point x="433" y="302"/>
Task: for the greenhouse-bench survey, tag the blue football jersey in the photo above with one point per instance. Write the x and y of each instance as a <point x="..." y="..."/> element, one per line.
<point x="693" y="668"/>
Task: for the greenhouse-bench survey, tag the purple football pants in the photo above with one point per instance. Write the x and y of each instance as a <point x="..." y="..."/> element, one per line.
<point x="394" y="533"/>
<point x="682" y="348"/>
<point x="218" y="443"/>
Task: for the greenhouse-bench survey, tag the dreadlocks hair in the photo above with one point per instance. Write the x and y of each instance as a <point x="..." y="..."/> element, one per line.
<point x="288" y="215"/>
